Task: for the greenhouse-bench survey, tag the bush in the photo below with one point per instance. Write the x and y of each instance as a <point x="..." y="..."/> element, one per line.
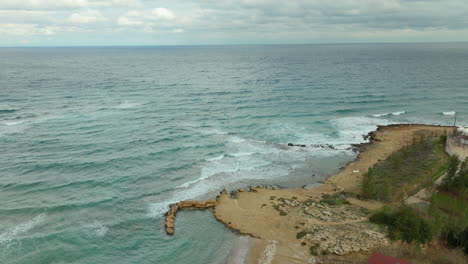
<point x="335" y="199"/>
<point x="382" y="218"/>
<point x="404" y="224"/>
<point x="301" y="234"/>
<point x="456" y="180"/>
<point x="451" y="173"/>
<point x="458" y="239"/>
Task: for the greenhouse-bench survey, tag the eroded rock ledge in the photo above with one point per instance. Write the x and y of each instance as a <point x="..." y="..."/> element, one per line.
<point x="171" y="214"/>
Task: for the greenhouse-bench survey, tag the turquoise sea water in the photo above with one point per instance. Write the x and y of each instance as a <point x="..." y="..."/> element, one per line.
<point x="97" y="142"/>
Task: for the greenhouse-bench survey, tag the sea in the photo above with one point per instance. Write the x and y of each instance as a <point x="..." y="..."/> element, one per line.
<point x="97" y="142"/>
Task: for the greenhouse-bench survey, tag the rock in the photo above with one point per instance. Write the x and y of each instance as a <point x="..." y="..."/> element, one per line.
<point x="297" y="145"/>
<point x="172" y="212"/>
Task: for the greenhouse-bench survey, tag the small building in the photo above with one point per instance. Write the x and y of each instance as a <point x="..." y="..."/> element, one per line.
<point x="462" y="135"/>
<point x="377" y="258"/>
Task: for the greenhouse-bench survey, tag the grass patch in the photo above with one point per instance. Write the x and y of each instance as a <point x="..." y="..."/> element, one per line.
<point x="405" y="171"/>
<point x="335" y="199"/>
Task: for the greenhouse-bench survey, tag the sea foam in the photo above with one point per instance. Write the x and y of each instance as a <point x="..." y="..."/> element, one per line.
<point x="450" y="113"/>
<point x="20" y="229"/>
<point x="247" y="160"/>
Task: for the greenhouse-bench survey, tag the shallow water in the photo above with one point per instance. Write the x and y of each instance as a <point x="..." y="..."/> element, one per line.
<point x="97" y="142"/>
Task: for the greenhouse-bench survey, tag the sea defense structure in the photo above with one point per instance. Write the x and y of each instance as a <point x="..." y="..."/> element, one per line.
<point x="171" y="214"/>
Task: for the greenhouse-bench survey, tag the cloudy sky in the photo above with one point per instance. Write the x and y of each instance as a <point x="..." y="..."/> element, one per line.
<point x="184" y="22"/>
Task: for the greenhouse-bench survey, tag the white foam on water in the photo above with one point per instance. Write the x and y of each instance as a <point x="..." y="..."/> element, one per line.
<point x="20" y="229"/>
<point x="199" y="188"/>
<point x="352" y="129"/>
<point x="380" y="115"/>
<point x="249" y="160"/>
<point x="236" y="139"/>
<point x="127" y="105"/>
<point x="13" y="123"/>
<point x="97" y="229"/>
<point x="387" y="114"/>
<point x="398" y="113"/>
<point x="240" y="154"/>
<point x="450" y="113"/>
<point x="212" y="131"/>
<point x="220" y="157"/>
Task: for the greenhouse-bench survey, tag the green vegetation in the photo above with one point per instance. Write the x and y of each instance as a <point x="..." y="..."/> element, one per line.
<point x="404" y="224"/>
<point x="301" y="234"/>
<point x="405" y="171"/>
<point x="449" y="206"/>
<point x="456" y="180"/>
<point x="446" y="218"/>
<point x="314" y="250"/>
<point x="335" y="199"/>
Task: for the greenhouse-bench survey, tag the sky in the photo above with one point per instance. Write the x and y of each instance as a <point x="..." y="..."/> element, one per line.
<point x="200" y="22"/>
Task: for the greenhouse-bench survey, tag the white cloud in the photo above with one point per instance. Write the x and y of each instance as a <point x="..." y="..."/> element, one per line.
<point x="147" y="19"/>
<point x="178" y="30"/>
<point x="127" y="3"/>
<point x="25" y="29"/>
<point x="65" y="4"/>
<point x="89" y="16"/>
<point x="128" y="21"/>
<point x="43" y="4"/>
<point x="163" y="14"/>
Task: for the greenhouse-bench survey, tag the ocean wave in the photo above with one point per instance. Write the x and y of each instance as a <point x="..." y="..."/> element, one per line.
<point x="204" y="188"/>
<point x="220" y="157"/>
<point x="248" y="160"/>
<point x="380" y="115"/>
<point x="449" y="113"/>
<point x="20" y="229"/>
<point x="241" y="154"/>
<point x="8" y="111"/>
<point x="387" y="114"/>
<point x="127" y="105"/>
<point x="97" y="229"/>
<point x="236" y="139"/>
<point x="13" y="123"/>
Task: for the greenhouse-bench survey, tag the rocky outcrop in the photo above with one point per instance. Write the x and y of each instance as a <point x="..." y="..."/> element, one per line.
<point x="296" y="145"/>
<point x="171" y="214"/>
<point x="343" y="239"/>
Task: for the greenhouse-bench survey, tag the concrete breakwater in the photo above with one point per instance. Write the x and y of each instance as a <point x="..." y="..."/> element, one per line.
<point x="171" y="214"/>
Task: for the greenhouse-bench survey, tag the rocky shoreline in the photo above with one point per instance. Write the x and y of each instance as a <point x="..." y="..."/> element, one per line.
<point x="297" y="221"/>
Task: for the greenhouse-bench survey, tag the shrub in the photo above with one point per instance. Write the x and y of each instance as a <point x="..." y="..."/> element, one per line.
<point x="301" y="234"/>
<point x="458" y="239"/>
<point x="451" y="173"/>
<point x="404" y="224"/>
<point x="335" y="199"/>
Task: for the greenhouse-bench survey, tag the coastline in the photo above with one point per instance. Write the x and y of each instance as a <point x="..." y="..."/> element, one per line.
<point x="252" y="212"/>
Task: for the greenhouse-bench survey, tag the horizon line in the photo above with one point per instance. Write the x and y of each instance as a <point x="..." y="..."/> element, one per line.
<point x="241" y="44"/>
